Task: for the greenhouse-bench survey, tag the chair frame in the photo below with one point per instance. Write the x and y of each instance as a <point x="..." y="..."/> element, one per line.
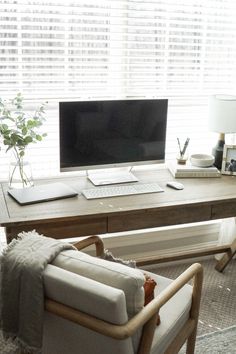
<point x="147" y="317"/>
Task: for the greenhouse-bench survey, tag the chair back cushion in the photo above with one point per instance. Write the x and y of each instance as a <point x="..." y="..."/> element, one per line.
<point x="84" y="294"/>
<point x="102" y="301"/>
<point x="116" y="275"/>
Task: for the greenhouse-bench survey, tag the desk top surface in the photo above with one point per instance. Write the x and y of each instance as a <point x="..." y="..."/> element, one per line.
<point x="197" y="191"/>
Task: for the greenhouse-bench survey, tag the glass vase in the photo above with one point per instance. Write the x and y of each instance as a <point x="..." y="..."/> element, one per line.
<point x="20" y="174"/>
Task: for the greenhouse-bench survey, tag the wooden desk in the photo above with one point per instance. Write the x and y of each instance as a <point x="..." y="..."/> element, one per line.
<point x="201" y="200"/>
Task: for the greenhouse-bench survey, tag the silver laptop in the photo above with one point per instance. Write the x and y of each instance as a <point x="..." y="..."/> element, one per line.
<point x="42" y="193"/>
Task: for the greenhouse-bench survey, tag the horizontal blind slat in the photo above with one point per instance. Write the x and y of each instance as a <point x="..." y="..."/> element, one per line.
<point x="56" y="50"/>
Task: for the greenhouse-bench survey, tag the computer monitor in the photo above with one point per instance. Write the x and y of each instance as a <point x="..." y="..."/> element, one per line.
<point x="112" y="133"/>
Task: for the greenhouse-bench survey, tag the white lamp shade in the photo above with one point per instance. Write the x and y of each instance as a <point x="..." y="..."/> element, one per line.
<point x="222" y="114"/>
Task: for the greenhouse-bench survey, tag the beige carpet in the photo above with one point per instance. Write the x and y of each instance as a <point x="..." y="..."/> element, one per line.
<point x="7" y="347"/>
<point x="219" y="342"/>
<point x="218" y="305"/>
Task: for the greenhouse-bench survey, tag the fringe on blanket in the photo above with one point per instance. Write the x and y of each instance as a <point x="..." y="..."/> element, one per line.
<point x="107" y="255"/>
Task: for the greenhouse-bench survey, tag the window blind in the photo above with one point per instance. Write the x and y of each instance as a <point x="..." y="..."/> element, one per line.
<point x="55" y="50"/>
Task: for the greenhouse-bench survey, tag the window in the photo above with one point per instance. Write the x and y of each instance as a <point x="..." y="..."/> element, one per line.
<point x="54" y="50"/>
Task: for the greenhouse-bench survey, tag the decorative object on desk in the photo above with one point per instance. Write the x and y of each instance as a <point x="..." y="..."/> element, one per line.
<point x="18" y="129"/>
<point x="182" y="157"/>
<point x="202" y="160"/>
<point x="229" y="160"/>
<point x="188" y="170"/>
<point x="222" y="119"/>
<point x="20" y="174"/>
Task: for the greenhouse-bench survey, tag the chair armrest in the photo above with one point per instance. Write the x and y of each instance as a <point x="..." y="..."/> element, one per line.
<point x="148" y="312"/>
<point x="195" y="271"/>
<point x="90" y="241"/>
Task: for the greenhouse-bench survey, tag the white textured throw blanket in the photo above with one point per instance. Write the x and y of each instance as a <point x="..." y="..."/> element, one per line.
<point x="22" y="293"/>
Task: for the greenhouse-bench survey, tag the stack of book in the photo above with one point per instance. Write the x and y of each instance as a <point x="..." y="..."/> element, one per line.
<point x="189" y="170"/>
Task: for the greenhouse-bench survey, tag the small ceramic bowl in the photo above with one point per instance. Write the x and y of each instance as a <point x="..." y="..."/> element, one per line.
<point x="202" y="160"/>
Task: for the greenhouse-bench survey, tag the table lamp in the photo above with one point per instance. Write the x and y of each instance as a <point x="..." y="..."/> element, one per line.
<point x="222" y="119"/>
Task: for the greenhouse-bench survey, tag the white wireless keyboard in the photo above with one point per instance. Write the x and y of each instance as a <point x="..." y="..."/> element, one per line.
<point x="121" y="190"/>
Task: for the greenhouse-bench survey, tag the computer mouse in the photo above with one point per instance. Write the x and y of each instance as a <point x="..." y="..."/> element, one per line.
<point x="175" y="185"/>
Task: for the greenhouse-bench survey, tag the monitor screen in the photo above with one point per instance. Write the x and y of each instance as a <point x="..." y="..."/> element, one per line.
<point x="110" y="133"/>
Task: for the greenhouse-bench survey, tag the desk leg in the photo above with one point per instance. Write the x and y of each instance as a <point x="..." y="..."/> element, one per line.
<point x="223" y="262"/>
<point x="9" y="235"/>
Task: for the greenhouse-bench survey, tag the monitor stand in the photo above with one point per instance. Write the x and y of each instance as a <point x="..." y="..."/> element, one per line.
<point x="113" y="176"/>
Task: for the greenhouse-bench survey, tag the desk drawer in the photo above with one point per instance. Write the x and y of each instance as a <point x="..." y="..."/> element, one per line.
<point x="61" y="228"/>
<point x="224" y="209"/>
<point x="158" y="217"/>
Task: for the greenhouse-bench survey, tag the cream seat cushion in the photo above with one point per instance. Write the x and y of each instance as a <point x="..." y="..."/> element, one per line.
<point x="173" y="314"/>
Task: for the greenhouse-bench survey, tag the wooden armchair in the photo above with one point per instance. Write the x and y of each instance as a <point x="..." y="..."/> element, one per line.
<point x="88" y="313"/>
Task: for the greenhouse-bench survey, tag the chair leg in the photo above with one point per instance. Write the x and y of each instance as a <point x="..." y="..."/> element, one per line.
<point x="147" y="336"/>
<point x="194" y="313"/>
<point x="191" y="342"/>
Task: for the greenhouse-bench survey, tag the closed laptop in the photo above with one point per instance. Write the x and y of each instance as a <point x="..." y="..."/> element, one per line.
<point x="42" y="193"/>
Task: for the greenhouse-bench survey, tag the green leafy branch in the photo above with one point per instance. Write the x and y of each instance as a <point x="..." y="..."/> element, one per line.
<point x="17" y="128"/>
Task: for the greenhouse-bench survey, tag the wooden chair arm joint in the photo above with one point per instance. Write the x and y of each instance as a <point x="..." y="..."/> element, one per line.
<point x="90" y="241"/>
